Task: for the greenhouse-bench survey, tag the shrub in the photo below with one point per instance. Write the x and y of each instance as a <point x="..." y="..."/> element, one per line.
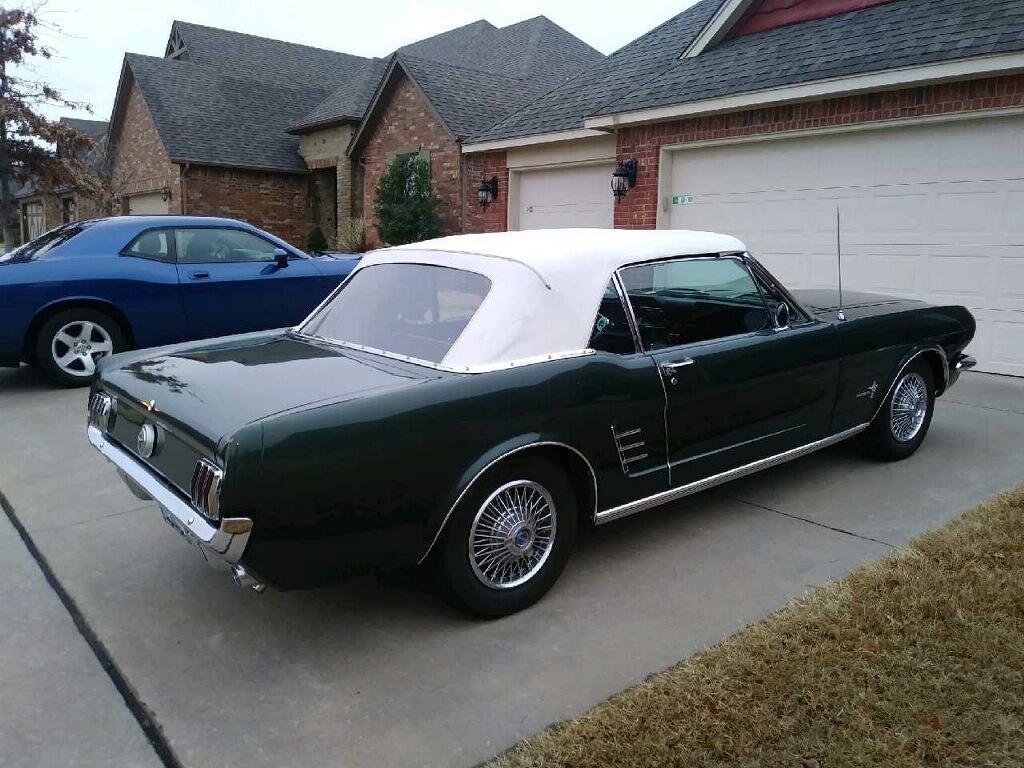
<point x="352" y="238"/>
<point x="315" y="240"/>
<point x="405" y="205"/>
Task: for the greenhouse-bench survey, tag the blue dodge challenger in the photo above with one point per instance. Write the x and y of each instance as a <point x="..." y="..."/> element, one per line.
<point x="92" y="288"/>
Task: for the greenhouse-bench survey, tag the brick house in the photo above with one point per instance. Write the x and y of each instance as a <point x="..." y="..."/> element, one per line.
<point x="285" y="135"/>
<point x="41" y="208"/>
<point x="761" y="117"/>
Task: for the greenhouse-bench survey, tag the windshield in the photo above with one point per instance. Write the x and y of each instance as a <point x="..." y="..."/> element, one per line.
<point x="415" y="310"/>
<point x="47" y="241"/>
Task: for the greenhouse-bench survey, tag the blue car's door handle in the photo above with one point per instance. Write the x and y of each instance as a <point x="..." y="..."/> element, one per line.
<point x="201" y="275"/>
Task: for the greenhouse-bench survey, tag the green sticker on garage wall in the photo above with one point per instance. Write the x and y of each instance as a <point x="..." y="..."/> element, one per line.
<point x="682" y="199"/>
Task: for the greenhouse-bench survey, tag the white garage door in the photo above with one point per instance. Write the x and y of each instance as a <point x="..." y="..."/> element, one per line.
<point x="933" y="211"/>
<point x="147" y="204"/>
<point x="572" y="196"/>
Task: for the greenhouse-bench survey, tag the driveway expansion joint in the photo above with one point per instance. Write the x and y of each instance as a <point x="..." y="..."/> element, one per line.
<point x="808" y="520"/>
<point x="150" y="728"/>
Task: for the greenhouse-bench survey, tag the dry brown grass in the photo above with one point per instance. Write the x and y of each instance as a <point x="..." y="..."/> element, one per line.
<point x="916" y="659"/>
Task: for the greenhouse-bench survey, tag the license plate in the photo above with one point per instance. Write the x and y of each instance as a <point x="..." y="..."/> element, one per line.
<point x="177" y="525"/>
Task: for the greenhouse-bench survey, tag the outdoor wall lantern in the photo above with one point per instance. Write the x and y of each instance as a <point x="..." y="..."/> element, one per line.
<point x="487" y="192"/>
<point x="165" y="193"/>
<point x="623" y="179"/>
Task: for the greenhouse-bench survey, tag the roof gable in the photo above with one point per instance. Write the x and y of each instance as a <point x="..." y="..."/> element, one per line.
<point x="769" y="14"/>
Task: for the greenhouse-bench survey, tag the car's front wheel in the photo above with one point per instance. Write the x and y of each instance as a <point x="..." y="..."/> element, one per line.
<point x="902" y="422"/>
<point x="509" y="539"/>
<point x="71" y="342"/>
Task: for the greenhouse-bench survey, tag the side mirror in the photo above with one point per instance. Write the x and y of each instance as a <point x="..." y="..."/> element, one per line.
<point x="281" y="257"/>
<point x="781" y="316"/>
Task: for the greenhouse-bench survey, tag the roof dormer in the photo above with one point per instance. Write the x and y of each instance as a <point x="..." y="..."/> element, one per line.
<point x="736" y="18"/>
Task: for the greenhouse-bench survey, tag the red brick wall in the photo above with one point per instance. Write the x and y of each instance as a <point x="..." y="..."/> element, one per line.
<point x="140" y="162"/>
<point x="638" y="210"/>
<point x="408" y="122"/>
<point x="768" y="14"/>
<point x="494" y="218"/>
<point x="276" y="202"/>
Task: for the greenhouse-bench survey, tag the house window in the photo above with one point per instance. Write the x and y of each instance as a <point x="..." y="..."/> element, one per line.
<point x="31" y="220"/>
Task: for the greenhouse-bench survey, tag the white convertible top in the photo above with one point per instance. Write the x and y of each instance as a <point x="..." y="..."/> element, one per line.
<point x="546" y="285"/>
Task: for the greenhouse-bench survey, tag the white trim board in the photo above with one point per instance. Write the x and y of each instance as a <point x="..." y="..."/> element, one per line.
<point x="525" y="141"/>
<point x="1005" y="63"/>
<point x="718" y="26"/>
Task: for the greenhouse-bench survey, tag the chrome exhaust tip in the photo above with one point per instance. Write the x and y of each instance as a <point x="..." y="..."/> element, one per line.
<point x="245" y="579"/>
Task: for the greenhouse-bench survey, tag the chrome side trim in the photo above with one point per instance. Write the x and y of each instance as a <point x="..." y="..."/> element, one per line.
<point x="444" y="522"/>
<point x="637" y="446"/>
<point x="216" y="541"/>
<point x="489" y="368"/>
<point x="902" y="368"/>
<point x="641" y="505"/>
<point x="634" y="329"/>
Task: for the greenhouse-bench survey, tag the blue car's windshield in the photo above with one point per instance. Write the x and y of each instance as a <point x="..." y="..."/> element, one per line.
<point x="47" y="241"/>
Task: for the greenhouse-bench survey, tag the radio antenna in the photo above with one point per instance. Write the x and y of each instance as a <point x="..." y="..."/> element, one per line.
<point x="839" y="261"/>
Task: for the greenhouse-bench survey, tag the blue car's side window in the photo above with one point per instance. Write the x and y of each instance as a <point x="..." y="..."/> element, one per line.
<point x="154" y="244"/>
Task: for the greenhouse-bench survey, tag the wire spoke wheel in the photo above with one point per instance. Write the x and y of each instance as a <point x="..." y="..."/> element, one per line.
<point x="512" y="534"/>
<point x="909" y="407"/>
<point x="79" y="345"/>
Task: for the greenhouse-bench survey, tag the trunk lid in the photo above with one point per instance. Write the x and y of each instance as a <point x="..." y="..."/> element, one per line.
<point x="209" y="390"/>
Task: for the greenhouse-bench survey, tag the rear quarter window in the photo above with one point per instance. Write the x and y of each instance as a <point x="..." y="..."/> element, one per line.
<point x="45" y="243"/>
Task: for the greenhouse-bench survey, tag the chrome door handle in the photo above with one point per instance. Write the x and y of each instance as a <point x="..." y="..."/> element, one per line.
<point x="668" y="370"/>
<point x="670" y="367"/>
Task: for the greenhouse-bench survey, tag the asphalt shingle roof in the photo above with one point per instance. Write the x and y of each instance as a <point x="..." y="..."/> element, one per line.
<point x="649" y="73"/>
<point x="565" y="107"/>
<point x="264" y="59"/>
<point x="94" y="129"/>
<point x="897" y="34"/>
<point x="205" y="115"/>
<point x="473" y="75"/>
<point x="232" y="98"/>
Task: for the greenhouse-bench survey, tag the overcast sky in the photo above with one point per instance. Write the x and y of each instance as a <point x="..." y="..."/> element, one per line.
<point x="97" y="33"/>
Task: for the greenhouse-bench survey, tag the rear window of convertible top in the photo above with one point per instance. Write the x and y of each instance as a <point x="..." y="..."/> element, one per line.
<point x="415" y="310"/>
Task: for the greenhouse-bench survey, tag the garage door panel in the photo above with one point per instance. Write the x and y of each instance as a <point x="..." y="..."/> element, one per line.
<point x="570" y="196"/>
<point x="1013" y="211"/>
<point x="962" y="277"/>
<point x="1007" y="333"/>
<point x="147" y="204"/>
<point x="967" y="211"/>
<point x="932" y="211"/>
<point x="897" y="212"/>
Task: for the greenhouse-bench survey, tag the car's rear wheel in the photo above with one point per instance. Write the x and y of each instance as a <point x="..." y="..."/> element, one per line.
<point x="902" y="422"/>
<point x="509" y="538"/>
<point x="71" y="343"/>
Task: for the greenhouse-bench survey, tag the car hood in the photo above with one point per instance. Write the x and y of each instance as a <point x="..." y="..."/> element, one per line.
<point x="824" y="303"/>
<point x="212" y="389"/>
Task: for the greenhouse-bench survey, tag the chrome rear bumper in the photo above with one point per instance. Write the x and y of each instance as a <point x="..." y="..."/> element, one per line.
<point x="225" y="542"/>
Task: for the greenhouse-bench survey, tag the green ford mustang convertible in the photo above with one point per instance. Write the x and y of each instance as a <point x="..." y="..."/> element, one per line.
<point x="468" y="403"/>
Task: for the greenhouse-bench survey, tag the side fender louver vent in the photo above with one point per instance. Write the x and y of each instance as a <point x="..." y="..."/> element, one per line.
<point x="630" y="446"/>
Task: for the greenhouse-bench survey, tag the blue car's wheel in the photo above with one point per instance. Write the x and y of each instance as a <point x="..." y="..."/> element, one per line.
<point x="72" y="342"/>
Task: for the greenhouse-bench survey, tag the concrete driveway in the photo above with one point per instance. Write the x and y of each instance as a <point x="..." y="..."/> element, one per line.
<point x="368" y="674"/>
